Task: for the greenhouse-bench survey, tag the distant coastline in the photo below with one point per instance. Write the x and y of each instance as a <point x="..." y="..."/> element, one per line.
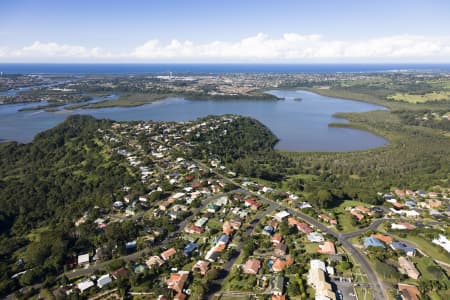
<point x="84" y="68"/>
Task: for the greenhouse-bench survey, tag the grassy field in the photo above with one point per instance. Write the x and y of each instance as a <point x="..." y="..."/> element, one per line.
<point x="394" y="105"/>
<point x="344" y="218"/>
<point x="129" y="100"/>
<point x="364" y="293"/>
<point x="428" y="269"/>
<point x="213" y="223"/>
<point x="311" y="248"/>
<point x="418" y="98"/>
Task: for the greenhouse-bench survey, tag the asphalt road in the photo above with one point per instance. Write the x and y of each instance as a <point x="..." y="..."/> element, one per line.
<point x="247" y="234"/>
<point x="131" y="257"/>
<point x="378" y="291"/>
<point x="136" y="255"/>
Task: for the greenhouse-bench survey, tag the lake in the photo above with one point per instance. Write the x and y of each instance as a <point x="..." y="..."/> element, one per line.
<point x="300" y="125"/>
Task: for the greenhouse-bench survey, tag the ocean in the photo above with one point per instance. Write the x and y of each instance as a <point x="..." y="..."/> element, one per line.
<point x="46" y="68"/>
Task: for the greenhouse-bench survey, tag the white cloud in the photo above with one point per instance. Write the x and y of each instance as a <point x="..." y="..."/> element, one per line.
<point x="289" y="47"/>
<point x="293" y="46"/>
<point x="49" y="50"/>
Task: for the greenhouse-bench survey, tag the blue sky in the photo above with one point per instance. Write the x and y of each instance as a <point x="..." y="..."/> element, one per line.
<point x="272" y="31"/>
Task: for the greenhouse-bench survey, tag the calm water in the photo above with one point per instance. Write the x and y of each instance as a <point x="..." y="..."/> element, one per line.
<point x="300" y="125"/>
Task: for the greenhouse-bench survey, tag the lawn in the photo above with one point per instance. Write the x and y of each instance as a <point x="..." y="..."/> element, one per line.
<point x="429" y="248"/>
<point x="434" y="295"/>
<point x="415" y="98"/>
<point x="214" y="223"/>
<point x="311" y="248"/>
<point x="344" y="218"/>
<point x="428" y="269"/>
<point x="35" y="234"/>
<point x="363" y="293"/>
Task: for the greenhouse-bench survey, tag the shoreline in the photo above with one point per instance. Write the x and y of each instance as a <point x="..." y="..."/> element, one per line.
<point x="101" y="105"/>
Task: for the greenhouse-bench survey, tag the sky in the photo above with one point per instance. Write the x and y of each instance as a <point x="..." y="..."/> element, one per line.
<point x="254" y="31"/>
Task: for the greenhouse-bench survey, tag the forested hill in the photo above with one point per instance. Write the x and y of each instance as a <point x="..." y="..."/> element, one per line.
<point x="61" y="173"/>
<point x="49" y="182"/>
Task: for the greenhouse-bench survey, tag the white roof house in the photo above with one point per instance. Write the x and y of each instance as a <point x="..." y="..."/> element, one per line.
<point x="315" y="237"/>
<point x="281" y="215"/>
<point x="104" y="280"/>
<point x="412" y="214"/>
<point x="83" y="259"/>
<point x="443" y="242"/>
<point x="85" y="285"/>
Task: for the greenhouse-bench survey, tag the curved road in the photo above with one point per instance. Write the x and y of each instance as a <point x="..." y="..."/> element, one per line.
<point x="377" y="287"/>
<point x="378" y="291"/>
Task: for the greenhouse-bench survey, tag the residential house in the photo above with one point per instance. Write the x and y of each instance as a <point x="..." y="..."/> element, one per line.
<point x="103" y="280"/>
<point x="176" y="281"/>
<point x="130" y="246"/>
<point x="269" y="230"/>
<point x="85" y="285"/>
<point x="280" y="216"/>
<point x="201" y="222"/>
<point x="251" y="267"/>
<point x="402" y="226"/>
<point x="397" y="205"/>
<point x="327" y="248"/>
<point x="412" y="214"/>
<point x="315" y="237"/>
<point x="357" y="214"/>
<point x="223" y="239"/>
<point x="410" y="203"/>
<point x="280" y="249"/>
<point x="303" y="227"/>
<point x="278" y="265"/>
<point x="168" y="253"/>
<point x="236" y="223"/>
<point x="201" y="266"/>
<point x="276" y="239"/>
<point x="227" y="228"/>
<point x="277" y="285"/>
<point x="191" y="247"/>
<point x="304" y="205"/>
<point x="398" y="246"/>
<point x="400" y="193"/>
<point x="212" y="208"/>
<point x="328" y="219"/>
<point x="373" y="242"/>
<point x="364" y="210"/>
<point x="153" y="261"/>
<point x="408" y="292"/>
<point x="410" y="193"/>
<point x="408" y="268"/>
<point x="252" y="203"/>
<point x="193" y="229"/>
<point x="120" y="273"/>
<point x="433" y="203"/>
<point x="387" y="239"/>
<point x="83" y="259"/>
<point x="139" y="269"/>
<point x="443" y="242"/>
